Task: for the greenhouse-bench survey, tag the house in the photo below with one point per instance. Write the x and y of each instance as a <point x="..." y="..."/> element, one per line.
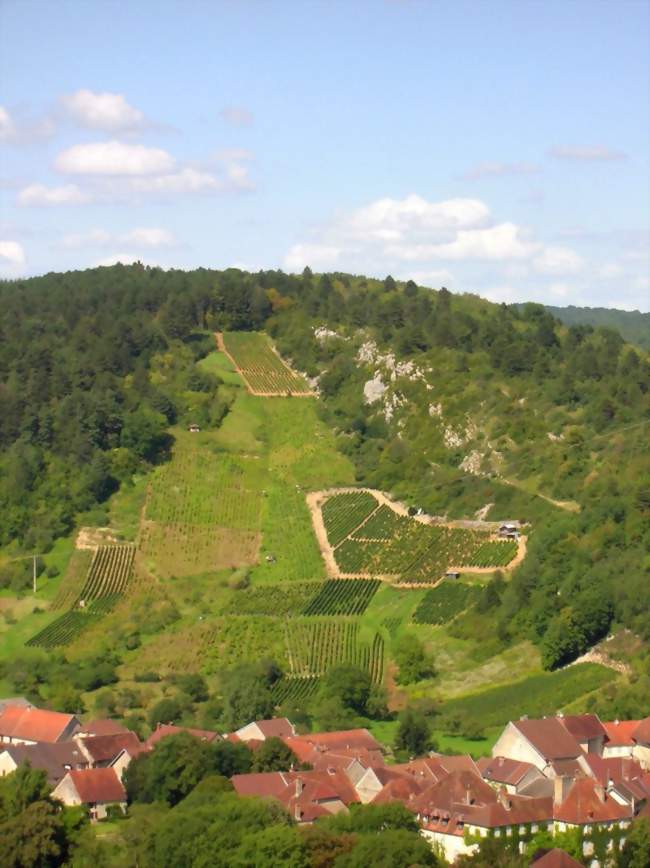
<point x="305" y="795"/>
<point x="352" y="742"/>
<point x="587" y="730"/>
<point x="101" y="726"/>
<point x="544" y="743"/>
<point x="54" y="759"/>
<point x="193" y="429"/>
<point x="102" y="751"/>
<point x="641" y="736"/>
<point x="98" y="789"/>
<point x="15" y="700"/>
<point x="162" y="730"/>
<point x="509" y="530"/>
<point x="29" y="725"/>
<point x="260" y="730"/>
<point x="619" y="741"/>
<point x="513" y="775"/>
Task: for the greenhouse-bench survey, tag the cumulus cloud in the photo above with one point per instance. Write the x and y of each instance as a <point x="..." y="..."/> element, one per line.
<point x="113" y="158"/>
<point x="12" y="258"/>
<point x="499" y="170"/>
<point x="18" y="129"/>
<point x="184" y="181"/>
<point x="586" y="153"/>
<point x="39" y="194"/>
<point x="236" y="115"/>
<point x="149" y="236"/>
<point x="141" y="236"/>
<point x="558" y="260"/>
<point x="314" y="255"/>
<point x="92" y="238"/>
<point x="103" y="111"/>
<point x="501" y="242"/>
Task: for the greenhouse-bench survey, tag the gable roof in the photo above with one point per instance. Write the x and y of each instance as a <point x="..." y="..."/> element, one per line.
<point x="34" y="724"/>
<point x="303" y="794"/>
<point x="641" y="732"/>
<point x="165" y="729"/>
<point x="102" y="726"/>
<point x="54" y="759"/>
<point x="554" y="858"/>
<point x="583" y="726"/>
<point x="15" y="700"/>
<point x="275" y="727"/>
<point x="104" y="748"/>
<point x="549" y="738"/>
<point x="347" y="740"/>
<point x="98" y="785"/>
<point x="619" y="732"/>
<point x="587" y="802"/>
<point x="504" y="770"/>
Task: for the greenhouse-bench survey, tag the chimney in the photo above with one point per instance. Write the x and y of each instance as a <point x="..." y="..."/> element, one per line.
<point x="299" y="787"/>
<point x="600" y="792"/>
<point x="561" y="786"/>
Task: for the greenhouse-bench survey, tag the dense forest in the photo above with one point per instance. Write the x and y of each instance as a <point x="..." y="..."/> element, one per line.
<point x="633" y="325"/>
<point x="450" y="402"/>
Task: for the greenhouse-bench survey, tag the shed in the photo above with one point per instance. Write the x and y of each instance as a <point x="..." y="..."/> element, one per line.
<point x="193" y="429"/>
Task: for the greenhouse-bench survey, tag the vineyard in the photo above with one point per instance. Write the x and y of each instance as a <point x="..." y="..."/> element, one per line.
<point x="388" y="544"/>
<point x="343" y="597"/>
<point x="109" y="573"/>
<point x="71" y="624"/>
<point x="295" y="690"/>
<point x="345" y="512"/>
<point x="313" y="647"/>
<point x="289" y="598"/>
<point x="441" y="604"/>
<point x="261" y="367"/>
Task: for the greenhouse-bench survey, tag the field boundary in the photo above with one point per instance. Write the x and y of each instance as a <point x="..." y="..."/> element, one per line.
<point x="316" y="500"/>
<point x="221" y="346"/>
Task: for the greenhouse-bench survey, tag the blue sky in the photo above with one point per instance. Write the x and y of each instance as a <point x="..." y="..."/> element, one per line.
<point x="493" y="147"/>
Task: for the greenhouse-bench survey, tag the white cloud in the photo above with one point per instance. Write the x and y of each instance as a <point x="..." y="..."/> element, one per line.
<point x="501" y="242"/>
<point x="12" y="258"/>
<point x="233" y="165"/>
<point x="558" y="260"/>
<point x="236" y="115"/>
<point x="93" y="238"/>
<point x="7" y="126"/>
<point x="434" y="277"/>
<point x="498" y="170"/>
<point x="586" y="153"/>
<point x="313" y="255"/>
<point x="149" y="236"/>
<point x="103" y="111"/>
<point x="184" y="181"/>
<point x="39" y="194"/>
<point x="113" y="158"/>
<point x="499" y="294"/>
<point x="115" y="258"/>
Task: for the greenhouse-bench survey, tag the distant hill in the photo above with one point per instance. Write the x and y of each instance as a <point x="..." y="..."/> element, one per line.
<point x="633" y="325"/>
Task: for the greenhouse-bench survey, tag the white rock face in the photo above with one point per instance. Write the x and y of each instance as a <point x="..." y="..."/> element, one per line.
<point x="369" y="354"/>
<point x="472" y="463"/>
<point x="391" y="403"/>
<point x="452" y="438"/>
<point x="374" y="389"/>
<point x="322" y="333"/>
<point x="435" y="410"/>
<point x="554" y="437"/>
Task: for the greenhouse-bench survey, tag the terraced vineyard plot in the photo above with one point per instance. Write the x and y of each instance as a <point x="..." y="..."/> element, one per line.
<point x="74" y="579"/>
<point x="344" y="512"/>
<point x="343" y="597"/>
<point x="491" y="554"/>
<point x="295" y="689"/>
<point x="68" y="626"/>
<point x="109" y="572"/>
<point x="261" y="367"/>
<point x="441" y="604"/>
<point x="278" y="600"/>
<point x="187" y="550"/>
<point x="313" y="647"/>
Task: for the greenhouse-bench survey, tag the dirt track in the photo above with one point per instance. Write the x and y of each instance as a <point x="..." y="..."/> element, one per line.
<point x="315" y="500"/>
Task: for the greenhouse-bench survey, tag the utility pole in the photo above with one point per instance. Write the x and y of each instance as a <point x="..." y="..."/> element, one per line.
<point x="34" y="574"/>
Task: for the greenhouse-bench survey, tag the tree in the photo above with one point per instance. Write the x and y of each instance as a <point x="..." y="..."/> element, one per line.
<point x="247" y="695"/>
<point x="168" y="710"/>
<point x="373" y="819"/>
<point x="413" y="732"/>
<point x="273" y="755"/>
<point x="636" y="850"/>
<point x="274" y="847"/>
<point x="349" y="684"/>
<point x="394" y="848"/>
<point x="22" y="788"/>
<point x="413" y="661"/>
<point x="33" y="838"/>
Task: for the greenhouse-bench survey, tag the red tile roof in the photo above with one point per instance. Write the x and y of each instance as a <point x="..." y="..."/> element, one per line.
<point x="165" y="729"/>
<point x="34" y="724"/>
<point x="554" y="859"/>
<point x="98" y="785"/>
<point x="641" y="732"/>
<point x="276" y="727"/>
<point x="583" y="727"/>
<point x="105" y="748"/>
<point x="102" y="726"/>
<point x="616" y="768"/>
<point x="549" y="738"/>
<point x="504" y="770"/>
<point x="586" y="802"/>
<point x="54" y="759"/>
<point x="619" y="732"/>
<point x="403" y="788"/>
<point x="350" y="739"/>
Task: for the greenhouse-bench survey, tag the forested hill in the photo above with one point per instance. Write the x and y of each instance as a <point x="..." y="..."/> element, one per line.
<point x="633" y="325"/>
<point x="449" y="402"/>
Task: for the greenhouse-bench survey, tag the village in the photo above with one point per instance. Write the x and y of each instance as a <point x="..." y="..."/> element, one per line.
<point x="555" y="773"/>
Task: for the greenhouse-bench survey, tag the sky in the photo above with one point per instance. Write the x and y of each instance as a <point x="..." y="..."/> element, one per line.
<point x="499" y="147"/>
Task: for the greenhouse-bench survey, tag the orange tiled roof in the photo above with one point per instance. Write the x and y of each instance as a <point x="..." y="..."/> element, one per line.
<point x="34" y="724"/>
<point x="586" y="802"/>
<point x="98" y="785"/>
<point x="619" y="732"/>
